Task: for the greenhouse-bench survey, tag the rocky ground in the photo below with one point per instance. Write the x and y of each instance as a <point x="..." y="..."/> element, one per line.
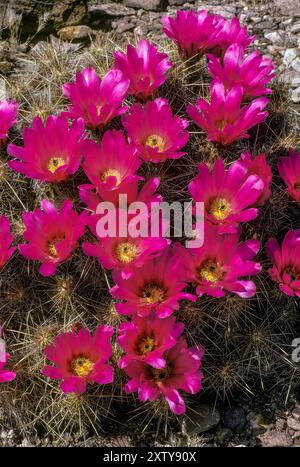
<point x="24" y="24"/>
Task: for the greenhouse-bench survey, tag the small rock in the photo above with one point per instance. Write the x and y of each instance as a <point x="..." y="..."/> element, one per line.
<point x="296" y="413"/>
<point x="293" y="423"/>
<point x="255" y="19"/>
<point x="176" y="2"/>
<point x="296" y="27"/>
<point x="77" y="33"/>
<point x="280" y="424"/>
<point x="296" y="64"/>
<point x="110" y="9"/>
<point x="288" y="7"/>
<point x="223" y="437"/>
<point x="124" y="26"/>
<point x="274" y="438"/>
<point x="273" y="37"/>
<point x="144" y="4"/>
<point x="295" y="95"/>
<point x="264" y="25"/>
<point x="257" y="423"/>
<point x="202" y="418"/>
<point x="234" y="418"/>
<point x="291" y="77"/>
<point x="289" y="56"/>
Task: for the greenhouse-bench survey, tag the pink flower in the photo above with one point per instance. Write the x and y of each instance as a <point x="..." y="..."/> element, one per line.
<point x="91" y="198"/>
<point x="52" y="235"/>
<point x="146" y="340"/>
<point x="286" y="262"/>
<point x="80" y="359"/>
<point x="8" y="117"/>
<point x="5" y="375"/>
<point x="181" y="372"/>
<point x="225" y="119"/>
<point x="157" y="134"/>
<point x="6" y="238"/>
<point x="221" y="264"/>
<point x="258" y="166"/>
<point x="194" y="33"/>
<point x="96" y="100"/>
<point x="252" y="73"/>
<point x="124" y="254"/>
<point x="51" y="152"/>
<point x="231" y="33"/>
<point x="289" y="170"/>
<point x="111" y="165"/>
<point x="144" y="66"/>
<point x="156" y="288"/>
<point x="228" y="195"/>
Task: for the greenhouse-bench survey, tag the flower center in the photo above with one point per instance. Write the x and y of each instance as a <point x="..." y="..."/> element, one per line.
<point x="125" y="252"/>
<point x="51" y="247"/>
<point x="220" y="124"/>
<point x="111" y="173"/>
<point x="155" y="141"/>
<point x="293" y="272"/>
<point x="219" y="208"/>
<point x="82" y="366"/>
<point x="54" y="164"/>
<point x="160" y="374"/>
<point x="145" y="345"/>
<point x="153" y="293"/>
<point x="210" y="270"/>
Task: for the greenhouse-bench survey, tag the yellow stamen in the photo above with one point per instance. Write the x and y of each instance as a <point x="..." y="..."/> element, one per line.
<point x="125" y="252"/>
<point x="82" y="366"/>
<point x="54" y="164"/>
<point x="155" y="141"/>
<point x="152" y="293"/>
<point x="210" y="271"/>
<point x="145" y="345"/>
<point x="51" y="247"/>
<point x="219" y="208"/>
<point x="111" y="173"/>
<point x="220" y="124"/>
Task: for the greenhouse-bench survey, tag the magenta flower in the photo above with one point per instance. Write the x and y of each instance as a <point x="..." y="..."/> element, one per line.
<point x="147" y="195"/>
<point x="147" y="339"/>
<point x="221" y="264"/>
<point x="258" y="166"/>
<point x="96" y="100"/>
<point x="252" y="73"/>
<point x="156" y="288"/>
<point x="286" y="262"/>
<point x="8" y="117"/>
<point x="111" y="165"/>
<point x="5" y="375"/>
<point x="52" y="235"/>
<point x="194" y="33"/>
<point x="124" y="254"/>
<point x="231" y="33"/>
<point x="181" y="372"/>
<point x="144" y="66"/>
<point x="225" y="119"/>
<point x="80" y="359"/>
<point x="228" y="195"/>
<point x="6" y="238"/>
<point x="157" y="134"/>
<point x="51" y="152"/>
<point x="289" y="170"/>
